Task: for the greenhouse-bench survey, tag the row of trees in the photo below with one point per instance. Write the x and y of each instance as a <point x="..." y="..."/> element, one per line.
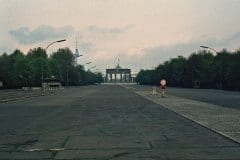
<point x="18" y="69"/>
<point x="201" y="69"/>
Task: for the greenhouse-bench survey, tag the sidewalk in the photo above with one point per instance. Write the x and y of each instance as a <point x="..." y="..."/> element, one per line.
<point x="225" y="121"/>
<point x="16" y="94"/>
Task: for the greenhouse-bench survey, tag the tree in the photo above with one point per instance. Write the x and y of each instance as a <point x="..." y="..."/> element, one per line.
<point x="37" y="53"/>
<point x="201" y="67"/>
<point x="18" y="70"/>
<point x="6" y="70"/>
<point x="230" y="70"/>
<point x="99" y="77"/>
<point x="21" y="71"/>
<point x="55" y="69"/>
<point x="39" y="67"/>
<point x="65" y="58"/>
<point x="177" y="67"/>
<point x="145" y="77"/>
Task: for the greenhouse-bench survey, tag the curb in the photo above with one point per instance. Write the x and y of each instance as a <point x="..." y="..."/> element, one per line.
<point x="237" y="141"/>
<point x="24" y="97"/>
<point x="18" y="98"/>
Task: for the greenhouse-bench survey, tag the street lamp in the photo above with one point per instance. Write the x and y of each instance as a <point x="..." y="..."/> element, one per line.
<point x="220" y="67"/>
<point x="62" y="40"/>
<point x="205" y="47"/>
<point x="87" y="63"/>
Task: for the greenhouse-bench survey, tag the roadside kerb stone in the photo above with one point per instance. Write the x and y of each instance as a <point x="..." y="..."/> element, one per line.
<point x="14" y="99"/>
<point x="225" y="121"/>
<point x="4" y="100"/>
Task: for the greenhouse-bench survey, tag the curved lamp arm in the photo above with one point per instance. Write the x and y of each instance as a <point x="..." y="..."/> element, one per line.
<point x="62" y="40"/>
<point x="206" y="47"/>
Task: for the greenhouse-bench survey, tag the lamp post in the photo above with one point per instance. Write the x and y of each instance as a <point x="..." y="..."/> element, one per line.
<point x="62" y="40"/>
<point x="220" y="66"/>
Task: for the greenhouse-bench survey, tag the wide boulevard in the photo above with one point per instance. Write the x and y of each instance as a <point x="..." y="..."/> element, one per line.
<point x="104" y="122"/>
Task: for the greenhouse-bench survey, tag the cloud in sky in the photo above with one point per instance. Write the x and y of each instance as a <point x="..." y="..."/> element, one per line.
<point x="44" y="32"/>
<point x="151" y="57"/>
<point x="104" y="30"/>
<point x="159" y="54"/>
<point x="235" y="38"/>
<point x="141" y="33"/>
<point x="86" y="46"/>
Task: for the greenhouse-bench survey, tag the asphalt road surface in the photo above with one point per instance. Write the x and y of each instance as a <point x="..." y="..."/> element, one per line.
<point x="104" y="122"/>
<point x="230" y="99"/>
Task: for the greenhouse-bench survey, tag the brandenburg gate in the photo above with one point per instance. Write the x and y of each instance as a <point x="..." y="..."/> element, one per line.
<point x="118" y="75"/>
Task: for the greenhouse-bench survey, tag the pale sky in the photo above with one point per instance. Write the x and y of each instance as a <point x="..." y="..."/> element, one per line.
<point x="141" y="33"/>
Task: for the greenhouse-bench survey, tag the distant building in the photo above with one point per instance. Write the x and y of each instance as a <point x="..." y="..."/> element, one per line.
<point x="118" y="75"/>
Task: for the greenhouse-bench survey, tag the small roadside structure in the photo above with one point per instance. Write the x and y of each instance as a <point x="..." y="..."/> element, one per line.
<point x="196" y="84"/>
<point x="51" y="84"/>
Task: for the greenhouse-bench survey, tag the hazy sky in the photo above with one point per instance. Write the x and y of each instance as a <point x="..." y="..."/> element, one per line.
<point x="141" y="33"/>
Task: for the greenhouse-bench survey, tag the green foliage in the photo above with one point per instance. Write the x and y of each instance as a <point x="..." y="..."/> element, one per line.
<point x="55" y="69"/>
<point x="19" y="70"/>
<point x="201" y="67"/>
<point x="6" y="69"/>
<point x="99" y="77"/>
<point x="38" y="67"/>
<point x="145" y="77"/>
<point x="37" y="53"/>
<point x="65" y="58"/>
<point x="94" y="78"/>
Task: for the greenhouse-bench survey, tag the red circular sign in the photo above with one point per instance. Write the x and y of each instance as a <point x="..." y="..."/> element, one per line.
<point x="163" y="82"/>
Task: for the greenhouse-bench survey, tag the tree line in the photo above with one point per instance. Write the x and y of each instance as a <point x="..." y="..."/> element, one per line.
<point x="202" y="70"/>
<point x="18" y="69"/>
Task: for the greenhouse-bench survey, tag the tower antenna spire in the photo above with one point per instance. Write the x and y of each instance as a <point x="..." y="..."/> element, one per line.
<point x="118" y="65"/>
<point x="76" y="52"/>
<point x="76" y="43"/>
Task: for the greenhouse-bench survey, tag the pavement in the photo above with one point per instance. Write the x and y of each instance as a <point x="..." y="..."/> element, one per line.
<point x="16" y="94"/>
<point x="7" y="95"/>
<point x="223" y="98"/>
<point x="109" y="122"/>
<point x="220" y="117"/>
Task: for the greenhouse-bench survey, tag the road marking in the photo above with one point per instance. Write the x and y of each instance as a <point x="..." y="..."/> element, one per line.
<point x="41" y="149"/>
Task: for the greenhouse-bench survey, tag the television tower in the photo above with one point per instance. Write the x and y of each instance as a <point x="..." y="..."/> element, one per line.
<point x="76" y="55"/>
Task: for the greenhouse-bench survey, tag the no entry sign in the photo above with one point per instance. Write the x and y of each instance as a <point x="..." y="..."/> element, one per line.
<point x="163" y="82"/>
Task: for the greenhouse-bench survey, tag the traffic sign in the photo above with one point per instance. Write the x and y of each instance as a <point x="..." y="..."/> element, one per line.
<point x="163" y="82"/>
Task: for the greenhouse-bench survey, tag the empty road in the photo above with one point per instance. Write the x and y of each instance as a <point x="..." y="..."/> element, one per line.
<point x="105" y="122"/>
